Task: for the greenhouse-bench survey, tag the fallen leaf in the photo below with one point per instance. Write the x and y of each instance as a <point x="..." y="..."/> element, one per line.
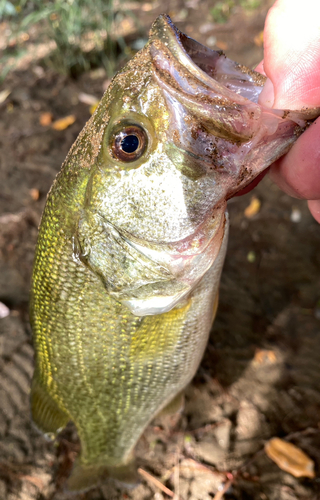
<point x="4" y="94"/>
<point x="222" y="45"/>
<point x="87" y="98"/>
<point x="146" y="7"/>
<point x="34" y="193"/>
<point x="36" y="481"/>
<point x="258" y="39"/>
<point x="263" y="356"/>
<point x="253" y="208"/>
<point x="64" y="123"/>
<point x="97" y="73"/>
<point x="93" y="107"/>
<point x="45" y="119"/>
<point x="290" y="458"/>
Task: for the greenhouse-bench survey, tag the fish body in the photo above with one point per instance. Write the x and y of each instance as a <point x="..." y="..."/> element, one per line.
<point x="133" y="238"/>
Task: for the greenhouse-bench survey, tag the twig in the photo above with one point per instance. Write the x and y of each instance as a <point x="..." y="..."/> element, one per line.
<point x="156" y="482"/>
<point x="36" y="481"/>
<point x="193" y="464"/>
<point x="219" y="494"/>
<point x="176" y="474"/>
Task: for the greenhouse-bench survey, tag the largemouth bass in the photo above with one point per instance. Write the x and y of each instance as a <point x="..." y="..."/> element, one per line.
<point x="133" y="238"/>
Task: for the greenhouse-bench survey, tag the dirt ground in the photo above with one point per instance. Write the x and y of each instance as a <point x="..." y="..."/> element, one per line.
<point x="260" y="375"/>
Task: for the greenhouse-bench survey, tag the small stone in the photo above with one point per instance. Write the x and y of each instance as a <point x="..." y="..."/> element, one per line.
<point x="295" y="215"/>
<point x="222" y="434"/>
<point x="210" y="451"/>
<point x="4" y="310"/>
<point x="211" y="41"/>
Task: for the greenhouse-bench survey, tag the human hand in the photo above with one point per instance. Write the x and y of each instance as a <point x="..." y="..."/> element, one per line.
<point x="292" y="65"/>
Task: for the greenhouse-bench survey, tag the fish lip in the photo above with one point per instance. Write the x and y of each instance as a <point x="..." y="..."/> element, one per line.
<point x="195" y="57"/>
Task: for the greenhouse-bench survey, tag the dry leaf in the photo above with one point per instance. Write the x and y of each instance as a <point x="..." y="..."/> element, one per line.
<point x="146" y="7"/>
<point x="222" y="45"/>
<point x="87" y="98"/>
<point x="45" y="119"/>
<point x="4" y="94"/>
<point x="263" y="356"/>
<point x="258" y="39"/>
<point x="64" y="123"/>
<point x="93" y="107"/>
<point x="289" y="458"/>
<point x="253" y="208"/>
<point x="34" y="193"/>
<point x="34" y="480"/>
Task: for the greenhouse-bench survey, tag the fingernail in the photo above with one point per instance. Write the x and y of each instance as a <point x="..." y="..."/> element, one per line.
<point x="266" y="97"/>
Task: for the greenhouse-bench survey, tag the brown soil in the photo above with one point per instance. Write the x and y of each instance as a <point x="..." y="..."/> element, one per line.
<point x="260" y="375"/>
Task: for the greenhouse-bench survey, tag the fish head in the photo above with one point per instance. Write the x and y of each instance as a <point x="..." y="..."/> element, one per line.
<point x="184" y="132"/>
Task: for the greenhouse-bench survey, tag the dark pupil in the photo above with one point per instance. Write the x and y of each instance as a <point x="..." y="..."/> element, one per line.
<point x="130" y="144"/>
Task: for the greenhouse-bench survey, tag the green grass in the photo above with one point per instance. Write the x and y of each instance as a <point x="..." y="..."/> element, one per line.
<point x="81" y="29"/>
<point x="222" y="10"/>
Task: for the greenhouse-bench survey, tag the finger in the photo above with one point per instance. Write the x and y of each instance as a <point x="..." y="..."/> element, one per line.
<point x="260" y="68"/>
<point x="298" y="172"/>
<point x="292" y="54"/>
<point x="314" y="207"/>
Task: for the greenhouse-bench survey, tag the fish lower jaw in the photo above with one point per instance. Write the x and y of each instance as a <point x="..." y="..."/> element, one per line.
<point x="186" y="274"/>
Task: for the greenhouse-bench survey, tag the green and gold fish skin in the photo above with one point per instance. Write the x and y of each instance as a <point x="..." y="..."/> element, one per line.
<point x="132" y="242"/>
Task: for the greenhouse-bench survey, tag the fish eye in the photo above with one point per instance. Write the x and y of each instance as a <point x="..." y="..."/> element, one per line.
<point x="129" y="143"/>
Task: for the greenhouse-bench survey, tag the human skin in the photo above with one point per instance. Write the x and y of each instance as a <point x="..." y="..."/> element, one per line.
<point x="292" y="65"/>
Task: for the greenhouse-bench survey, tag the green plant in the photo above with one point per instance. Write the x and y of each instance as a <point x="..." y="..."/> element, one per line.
<point x="222" y="11"/>
<point x="82" y="30"/>
<point x="250" y="4"/>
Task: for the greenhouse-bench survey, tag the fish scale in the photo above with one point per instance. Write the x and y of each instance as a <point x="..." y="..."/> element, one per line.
<point x="131" y="243"/>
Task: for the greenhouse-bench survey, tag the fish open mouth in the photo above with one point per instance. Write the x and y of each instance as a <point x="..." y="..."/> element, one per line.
<point x="209" y="67"/>
<point x="233" y="82"/>
<point x="215" y="116"/>
<point x="205" y="83"/>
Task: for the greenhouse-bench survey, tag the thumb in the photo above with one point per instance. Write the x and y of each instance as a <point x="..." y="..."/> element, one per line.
<point x="292" y="55"/>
